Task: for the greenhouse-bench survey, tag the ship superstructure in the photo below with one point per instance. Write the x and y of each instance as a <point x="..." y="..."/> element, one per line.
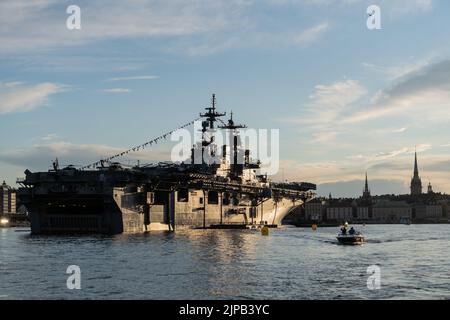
<point x="225" y="192"/>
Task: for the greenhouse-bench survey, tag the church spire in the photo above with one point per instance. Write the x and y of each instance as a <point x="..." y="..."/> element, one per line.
<point x="366" y="193"/>
<point x="416" y="167"/>
<point x="416" y="183"/>
<point x="366" y="187"/>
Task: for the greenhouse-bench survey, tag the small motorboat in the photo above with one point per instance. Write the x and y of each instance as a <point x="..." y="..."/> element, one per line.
<point x="351" y="239"/>
<point x="405" y="220"/>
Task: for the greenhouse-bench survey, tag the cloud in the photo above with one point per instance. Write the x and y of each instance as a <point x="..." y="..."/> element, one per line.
<point x="17" y="97"/>
<point x="312" y="34"/>
<point x="197" y="26"/>
<point x="354" y="188"/>
<point x="39" y="156"/>
<point x="328" y="101"/>
<point x="326" y="104"/>
<point x="117" y="90"/>
<point x="400" y="130"/>
<point x="325" y="137"/>
<point x="254" y="37"/>
<point x="132" y="78"/>
<point x="400" y="71"/>
<point x="438" y="166"/>
<point x="50" y="136"/>
<point x="338" y="94"/>
<point x="312" y="2"/>
<point x="381" y="156"/>
<point x="392" y="9"/>
<point x="41" y="24"/>
<point x="406" y="7"/>
<point x="424" y="93"/>
<point x="345" y="177"/>
<point x="193" y="27"/>
<point x="433" y="168"/>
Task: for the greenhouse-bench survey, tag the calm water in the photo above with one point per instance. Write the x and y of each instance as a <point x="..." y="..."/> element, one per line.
<point x="292" y="263"/>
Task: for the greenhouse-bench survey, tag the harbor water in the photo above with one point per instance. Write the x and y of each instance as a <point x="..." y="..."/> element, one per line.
<point x="290" y="263"/>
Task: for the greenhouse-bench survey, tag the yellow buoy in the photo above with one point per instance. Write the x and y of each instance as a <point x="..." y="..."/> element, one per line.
<point x="314" y="227"/>
<point x="265" y="231"/>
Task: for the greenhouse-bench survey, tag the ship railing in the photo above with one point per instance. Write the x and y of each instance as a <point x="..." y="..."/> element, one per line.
<point x="249" y="189"/>
<point x="22" y="182"/>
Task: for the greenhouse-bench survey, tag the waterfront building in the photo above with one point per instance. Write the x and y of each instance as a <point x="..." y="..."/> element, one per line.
<point x="386" y="211"/>
<point x="362" y="213"/>
<point x="416" y="182"/>
<point x="7" y="199"/>
<point x="432" y="213"/>
<point x="311" y="212"/>
<point x="314" y="210"/>
<point x="340" y="213"/>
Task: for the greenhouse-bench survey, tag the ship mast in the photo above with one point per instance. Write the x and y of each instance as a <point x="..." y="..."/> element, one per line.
<point x="236" y="168"/>
<point x="211" y="116"/>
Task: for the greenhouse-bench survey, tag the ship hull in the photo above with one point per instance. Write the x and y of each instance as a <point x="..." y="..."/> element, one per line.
<point x="194" y="213"/>
<point x="123" y="212"/>
<point x="63" y="214"/>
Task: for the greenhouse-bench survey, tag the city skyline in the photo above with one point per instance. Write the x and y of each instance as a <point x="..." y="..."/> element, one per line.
<point x="346" y="99"/>
<point x="367" y="190"/>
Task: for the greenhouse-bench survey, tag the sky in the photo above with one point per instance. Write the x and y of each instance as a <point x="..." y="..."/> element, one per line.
<point x="346" y="99"/>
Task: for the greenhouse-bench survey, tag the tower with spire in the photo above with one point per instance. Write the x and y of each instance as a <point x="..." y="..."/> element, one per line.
<point x="366" y="192"/>
<point x="366" y="197"/>
<point x="416" y="182"/>
<point x="430" y="188"/>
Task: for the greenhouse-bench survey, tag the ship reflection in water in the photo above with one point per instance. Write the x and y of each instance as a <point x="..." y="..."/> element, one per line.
<point x="292" y="263"/>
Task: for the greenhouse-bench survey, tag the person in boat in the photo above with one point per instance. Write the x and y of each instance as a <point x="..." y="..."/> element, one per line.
<point x="352" y="231"/>
<point x="344" y="230"/>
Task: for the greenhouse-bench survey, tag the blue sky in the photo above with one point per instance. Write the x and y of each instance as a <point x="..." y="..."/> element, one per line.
<point x="346" y="99"/>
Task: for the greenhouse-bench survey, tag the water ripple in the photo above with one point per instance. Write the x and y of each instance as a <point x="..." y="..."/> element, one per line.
<point x="292" y="263"/>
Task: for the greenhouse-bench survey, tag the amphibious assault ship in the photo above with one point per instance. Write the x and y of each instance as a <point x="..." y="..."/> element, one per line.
<point x="108" y="198"/>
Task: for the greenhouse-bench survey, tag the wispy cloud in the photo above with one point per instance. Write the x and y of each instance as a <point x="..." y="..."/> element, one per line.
<point x="18" y="97"/>
<point x="400" y="130"/>
<point x="400" y="71"/>
<point x="312" y="34"/>
<point x="325" y="136"/>
<point x="131" y="78"/>
<point x="117" y="90"/>
<point x="39" y="156"/>
<point x="144" y="18"/>
<point x="193" y="27"/>
<point x="396" y="165"/>
<point x="406" y="7"/>
<point x="393" y="9"/>
<point x="50" y="136"/>
<point x="381" y="156"/>
<point x="325" y="106"/>
<point x="424" y="93"/>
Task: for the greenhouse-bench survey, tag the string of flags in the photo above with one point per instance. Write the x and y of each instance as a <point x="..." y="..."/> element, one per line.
<point x="136" y="148"/>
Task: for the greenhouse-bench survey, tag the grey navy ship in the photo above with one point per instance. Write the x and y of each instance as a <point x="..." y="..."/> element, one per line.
<point x="110" y="198"/>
